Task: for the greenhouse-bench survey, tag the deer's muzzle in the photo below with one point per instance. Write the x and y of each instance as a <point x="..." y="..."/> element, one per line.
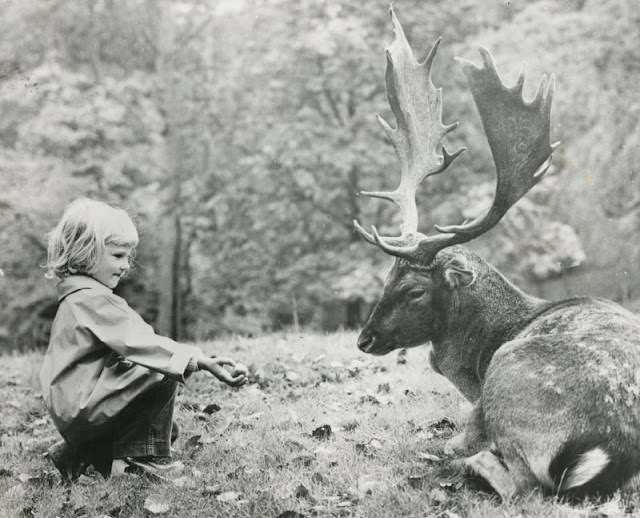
<point x="365" y="342"/>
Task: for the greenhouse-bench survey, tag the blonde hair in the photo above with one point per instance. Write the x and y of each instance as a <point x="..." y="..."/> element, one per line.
<point x="79" y="239"/>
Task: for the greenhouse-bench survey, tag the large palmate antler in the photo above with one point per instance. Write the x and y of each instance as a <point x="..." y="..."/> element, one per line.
<point x="517" y="131"/>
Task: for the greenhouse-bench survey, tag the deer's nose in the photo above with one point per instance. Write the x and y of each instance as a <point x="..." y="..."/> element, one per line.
<point x="365" y="342"/>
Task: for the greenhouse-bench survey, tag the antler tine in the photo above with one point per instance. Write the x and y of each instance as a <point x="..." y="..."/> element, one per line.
<point x="518" y="135"/>
<point x="417" y="108"/>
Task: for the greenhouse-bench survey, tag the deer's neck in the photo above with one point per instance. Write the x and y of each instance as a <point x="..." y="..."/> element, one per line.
<point x="477" y="322"/>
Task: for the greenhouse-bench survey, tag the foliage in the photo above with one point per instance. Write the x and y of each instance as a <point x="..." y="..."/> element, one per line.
<point x="252" y="126"/>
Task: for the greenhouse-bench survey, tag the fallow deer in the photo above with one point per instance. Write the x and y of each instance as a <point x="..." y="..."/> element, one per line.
<point x="555" y="386"/>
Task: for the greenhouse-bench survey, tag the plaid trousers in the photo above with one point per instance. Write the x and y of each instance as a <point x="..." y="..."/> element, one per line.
<point x="144" y="428"/>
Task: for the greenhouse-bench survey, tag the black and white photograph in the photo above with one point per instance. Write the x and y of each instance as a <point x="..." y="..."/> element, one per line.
<point x="319" y="258"/>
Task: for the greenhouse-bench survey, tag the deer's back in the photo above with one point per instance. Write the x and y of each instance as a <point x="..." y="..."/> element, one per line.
<point x="570" y="377"/>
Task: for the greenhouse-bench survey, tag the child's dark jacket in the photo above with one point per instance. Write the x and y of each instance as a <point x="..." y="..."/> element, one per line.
<point x="84" y="380"/>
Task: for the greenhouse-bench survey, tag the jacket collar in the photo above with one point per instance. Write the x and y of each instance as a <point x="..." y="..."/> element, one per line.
<point x="73" y="283"/>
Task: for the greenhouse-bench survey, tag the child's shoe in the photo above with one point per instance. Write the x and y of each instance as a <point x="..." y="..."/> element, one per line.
<point x="158" y="467"/>
<point x="65" y="458"/>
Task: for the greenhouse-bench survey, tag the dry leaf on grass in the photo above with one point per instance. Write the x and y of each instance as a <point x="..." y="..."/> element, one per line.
<point x="383" y="388"/>
<point x="195" y="441"/>
<point x="369" y="448"/>
<point x="156" y="505"/>
<point x="429" y="457"/>
<point x="291" y="514"/>
<point x="292" y="376"/>
<point x="213" y="490"/>
<point x="367" y="484"/>
<point x="443" y="426"/>
<point x="211" y="408"/>
<point x="322" y="432"/>
<point x="301" y="492"/>
<point x="302" y="460"/>
<point x="228" y="496"/>
<point x="183" y="481"/>
<point x="418" y="481"/>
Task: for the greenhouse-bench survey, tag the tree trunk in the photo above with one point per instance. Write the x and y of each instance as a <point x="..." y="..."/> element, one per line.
<point x="169" y="317"/>
<point x="169" y="304"/>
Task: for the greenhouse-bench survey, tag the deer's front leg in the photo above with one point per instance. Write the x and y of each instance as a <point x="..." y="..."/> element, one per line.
<point x="472" y="439"/>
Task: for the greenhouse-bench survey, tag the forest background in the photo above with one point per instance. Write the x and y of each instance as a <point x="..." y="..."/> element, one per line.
<point x="238" y="134"/>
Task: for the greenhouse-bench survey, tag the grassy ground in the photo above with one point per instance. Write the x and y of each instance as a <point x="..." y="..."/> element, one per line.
<point x="257" y="455"/>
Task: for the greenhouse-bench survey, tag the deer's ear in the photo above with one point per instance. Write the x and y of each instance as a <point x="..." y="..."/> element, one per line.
<point x="458" y="273"/>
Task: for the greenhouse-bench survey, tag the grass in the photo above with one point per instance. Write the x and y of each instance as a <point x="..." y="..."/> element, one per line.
<point x="257" y="456"/>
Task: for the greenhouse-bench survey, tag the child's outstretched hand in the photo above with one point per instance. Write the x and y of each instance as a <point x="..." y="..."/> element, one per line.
<point x="215" y="365"/>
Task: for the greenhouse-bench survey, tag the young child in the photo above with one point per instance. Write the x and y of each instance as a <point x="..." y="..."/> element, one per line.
<point x="108" y="380"/>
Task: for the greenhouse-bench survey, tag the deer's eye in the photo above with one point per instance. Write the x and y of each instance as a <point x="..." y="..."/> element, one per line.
<point x="416" y="294"/>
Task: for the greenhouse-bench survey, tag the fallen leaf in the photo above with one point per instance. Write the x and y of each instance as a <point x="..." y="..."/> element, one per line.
<point x="183" y="481"/>
<point x="417" y="481"/>
<point x="444" y="425"/>
<point x="236" y="472"/>
<point x="369" y="448"/>
<point x="369" y="398"/>
<point x="156" y="505"/>
<point x="350" y="426"/>
<point x="292" y="376"/>
<point x="301" y="492"/>
<point x="302" y="460"/>
<point x="291" y="514"/>
<point x="375" y="444"/>
<point x="428" y="457"/>
<point x="42" y="421"/>
<point x="322" y="432"/>
<point x="228" y="496"/>
<point x="449" y="485"/>
<point x="195" y="441"/>
<point x="212" y="408"/>
<point x="211" y="490"/>
<point x="384" y="388"/>
<point x="367" y="484"/>
<point x="293" y="395"/>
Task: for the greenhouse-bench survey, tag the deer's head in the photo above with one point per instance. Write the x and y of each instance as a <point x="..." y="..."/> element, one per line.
<point x="423" y="283"/>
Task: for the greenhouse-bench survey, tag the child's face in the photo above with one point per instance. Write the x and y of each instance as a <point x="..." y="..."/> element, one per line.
<point x="113" y="265"/>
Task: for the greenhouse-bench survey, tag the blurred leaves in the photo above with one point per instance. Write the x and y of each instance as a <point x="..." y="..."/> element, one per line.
<point x="274" y="141"/>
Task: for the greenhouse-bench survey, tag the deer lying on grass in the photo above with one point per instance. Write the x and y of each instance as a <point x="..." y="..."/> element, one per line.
<point x="555" y="385"/>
